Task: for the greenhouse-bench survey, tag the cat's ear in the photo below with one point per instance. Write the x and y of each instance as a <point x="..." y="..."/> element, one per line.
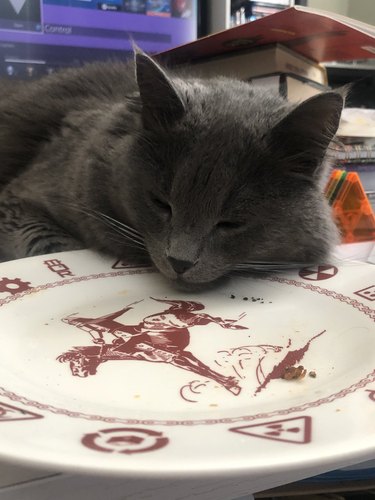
<point x="161" y="102"/>
<point x="301" y="138"/>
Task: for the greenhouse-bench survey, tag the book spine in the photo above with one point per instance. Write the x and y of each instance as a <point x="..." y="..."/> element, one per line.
<point x="355" y="154"/>
<point x="260" y="63"/>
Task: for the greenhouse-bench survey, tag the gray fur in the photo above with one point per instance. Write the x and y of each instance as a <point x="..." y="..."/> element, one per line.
<point x="212" y="174"/>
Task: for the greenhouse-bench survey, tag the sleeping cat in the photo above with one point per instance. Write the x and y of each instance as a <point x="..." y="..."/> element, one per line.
<point x="200" y="177"/>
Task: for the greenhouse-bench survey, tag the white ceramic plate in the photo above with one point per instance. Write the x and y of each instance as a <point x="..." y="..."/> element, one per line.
<point x="106" y="368"/>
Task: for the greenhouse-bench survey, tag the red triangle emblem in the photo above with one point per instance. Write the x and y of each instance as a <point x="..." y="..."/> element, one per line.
<point x="295" y="430"/>
<point x="121" y="264"/>
<point x="9" y="412"/>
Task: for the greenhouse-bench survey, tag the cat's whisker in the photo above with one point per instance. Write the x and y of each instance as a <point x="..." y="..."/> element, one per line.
<point x="270" y="265"/>
<point x="109" y="221"/>
<point x="114" y="225"/>
<point x="93" y="212"/>
<point x="261" y="267"/>
<point x="125" y="242"/>
<point x="123" y="233"/>
<point x="249" y="273"/>
<point x="122" y="241"/>
<point x="130" y="229"/>
<point x="239" y="274"/>
<point x="135" y="244"/>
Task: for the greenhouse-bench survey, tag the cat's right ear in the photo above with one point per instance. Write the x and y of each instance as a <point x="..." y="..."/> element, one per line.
<point x="161" y="102"/>
<point x="303" y="136"/>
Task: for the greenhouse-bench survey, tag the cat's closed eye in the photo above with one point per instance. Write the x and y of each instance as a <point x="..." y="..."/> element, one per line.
<point x="161" y="205"/>
<point x="228" y="225"/>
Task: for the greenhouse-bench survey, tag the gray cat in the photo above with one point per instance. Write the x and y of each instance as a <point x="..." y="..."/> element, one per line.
<point x="201" y="177"/>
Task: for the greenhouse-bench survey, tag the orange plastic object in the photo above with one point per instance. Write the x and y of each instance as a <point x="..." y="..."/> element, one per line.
<point x="332" y="182"/>
<point x="352" y="210"/>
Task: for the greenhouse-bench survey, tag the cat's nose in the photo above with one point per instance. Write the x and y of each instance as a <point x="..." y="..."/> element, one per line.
<point x="180" y="266"/>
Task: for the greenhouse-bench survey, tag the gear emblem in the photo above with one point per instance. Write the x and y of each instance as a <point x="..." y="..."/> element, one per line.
<point x="14" y="286"/>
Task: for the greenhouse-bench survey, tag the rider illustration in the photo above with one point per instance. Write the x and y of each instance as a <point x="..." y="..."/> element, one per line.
<point x="160" y="338"/>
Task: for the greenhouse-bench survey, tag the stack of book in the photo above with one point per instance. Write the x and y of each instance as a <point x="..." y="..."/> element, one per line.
<point x="283" y="51"/>
<point x="276" y="67"/>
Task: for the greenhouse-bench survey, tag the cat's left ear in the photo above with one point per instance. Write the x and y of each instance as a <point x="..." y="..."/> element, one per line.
<point x="303" y="136"/>
<point x="161" y="102"/>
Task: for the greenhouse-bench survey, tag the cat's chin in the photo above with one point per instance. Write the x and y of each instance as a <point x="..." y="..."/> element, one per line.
<point x="190" y="286"/>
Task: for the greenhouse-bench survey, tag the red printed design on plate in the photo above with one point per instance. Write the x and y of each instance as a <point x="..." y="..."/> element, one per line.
<point x="9" y="412"/>
<point x="371" y="394"/>
<point x="295" y="430"/>
<point x="122" y="264"/>
<point x="159" y="338"/>
<point x="14" y="285"/>
<point x="125" y="440"/>
<point x="367" y="293"/>
<point x="252" y="359"/>
<point x="164" y="337"/>
<point x="58" y="267"/>
<point x="318" y="273"/>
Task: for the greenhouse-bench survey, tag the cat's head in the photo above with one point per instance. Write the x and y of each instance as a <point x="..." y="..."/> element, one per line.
<point x="224" y="173"/>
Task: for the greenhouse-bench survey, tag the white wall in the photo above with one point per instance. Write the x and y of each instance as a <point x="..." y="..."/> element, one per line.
<point x="363" y="10"/>
<point x="338" y="6"/>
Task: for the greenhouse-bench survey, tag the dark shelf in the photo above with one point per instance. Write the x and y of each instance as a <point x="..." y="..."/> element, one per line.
<point x="363" y="79"/>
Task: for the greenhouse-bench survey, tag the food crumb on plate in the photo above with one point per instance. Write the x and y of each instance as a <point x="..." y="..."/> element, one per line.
<point x="294" y="373"/>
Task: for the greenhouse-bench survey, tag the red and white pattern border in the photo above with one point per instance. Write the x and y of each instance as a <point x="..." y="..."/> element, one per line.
<point x="329" y="293"/>
<point x="209" y="421"/>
